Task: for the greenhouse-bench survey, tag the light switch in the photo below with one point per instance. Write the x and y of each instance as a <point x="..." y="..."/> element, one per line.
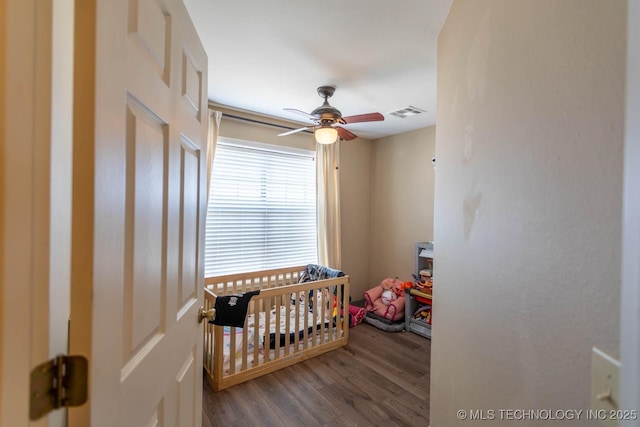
<point x="605" y="392"/>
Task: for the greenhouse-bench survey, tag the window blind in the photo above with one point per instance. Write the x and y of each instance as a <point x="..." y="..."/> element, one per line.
<point x="262" y="209"/>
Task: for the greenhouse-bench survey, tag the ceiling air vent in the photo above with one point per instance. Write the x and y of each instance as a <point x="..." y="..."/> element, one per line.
<point x="403" y="113"/>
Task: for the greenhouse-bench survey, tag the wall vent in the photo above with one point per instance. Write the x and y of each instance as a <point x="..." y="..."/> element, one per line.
<point x="409" y="111"/>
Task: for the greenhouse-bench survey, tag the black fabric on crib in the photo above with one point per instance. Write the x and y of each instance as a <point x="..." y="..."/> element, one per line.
<point x="231" y="310"/>
<point x="292" y="336"/>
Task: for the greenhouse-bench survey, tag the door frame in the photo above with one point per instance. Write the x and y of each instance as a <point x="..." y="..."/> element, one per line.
<point x="630" y="292"/>
<point x="25" y="129"/>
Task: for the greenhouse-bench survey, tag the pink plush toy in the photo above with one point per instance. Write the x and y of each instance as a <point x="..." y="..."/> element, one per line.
<point x="390" y="283"/>
<point x="387" y="299"/>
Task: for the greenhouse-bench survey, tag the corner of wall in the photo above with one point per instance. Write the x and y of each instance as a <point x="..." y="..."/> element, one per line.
<point x="401" y="201"/>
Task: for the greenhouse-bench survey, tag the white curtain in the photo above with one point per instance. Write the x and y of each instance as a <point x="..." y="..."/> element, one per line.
<point x="328" y="204"/>
<point x="212" y="140"/>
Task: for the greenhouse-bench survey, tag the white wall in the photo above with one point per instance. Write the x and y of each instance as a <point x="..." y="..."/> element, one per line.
<point x="355" y="213"/>
<point x="527" y="203"/>
<point x="402" y="185"/>
<point x="248" y="131"/>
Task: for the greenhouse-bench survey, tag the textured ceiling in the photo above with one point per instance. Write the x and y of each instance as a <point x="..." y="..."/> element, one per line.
<point x="379" y="54"/>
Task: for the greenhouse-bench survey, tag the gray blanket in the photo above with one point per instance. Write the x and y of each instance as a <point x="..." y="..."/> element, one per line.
<point x="313" y="272"/>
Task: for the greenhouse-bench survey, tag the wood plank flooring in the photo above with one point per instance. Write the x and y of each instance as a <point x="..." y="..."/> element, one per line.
<point x="379" y="379"/>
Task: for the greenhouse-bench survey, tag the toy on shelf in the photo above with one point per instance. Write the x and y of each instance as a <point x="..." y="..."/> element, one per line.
<point x="423" y="313"/>
<point x="424" y="283"/>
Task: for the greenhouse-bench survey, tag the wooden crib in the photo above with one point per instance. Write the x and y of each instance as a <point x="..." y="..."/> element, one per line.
<point x="286" y="323"/>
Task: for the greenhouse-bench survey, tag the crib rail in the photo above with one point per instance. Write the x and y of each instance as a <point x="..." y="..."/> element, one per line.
<point x="233" y="283"/>
<point x="286" y="323"/>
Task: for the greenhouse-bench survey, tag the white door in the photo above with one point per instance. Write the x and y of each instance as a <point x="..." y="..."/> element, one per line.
<point x="138" y="212"/>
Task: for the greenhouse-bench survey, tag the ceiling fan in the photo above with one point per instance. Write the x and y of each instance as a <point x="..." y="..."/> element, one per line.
<point x="327" y="119"/>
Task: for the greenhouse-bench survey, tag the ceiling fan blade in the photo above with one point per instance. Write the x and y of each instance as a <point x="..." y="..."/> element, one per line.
<point x="296" y="130"/>
<point x="345" y="134"/>
<point x="370" y="117"/>
<point x="300" y="113"/>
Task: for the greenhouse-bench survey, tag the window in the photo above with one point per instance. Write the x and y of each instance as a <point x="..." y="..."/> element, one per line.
<point x="262" y="208"/>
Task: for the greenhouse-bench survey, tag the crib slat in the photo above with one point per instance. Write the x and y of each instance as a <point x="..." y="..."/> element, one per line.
<point x="267" y="329"/>
<point x="345" y="305"/>
<point x="317" y="311"/>
<point x="336" y="322"/>
<point x="336" y="302"/>
<point x="323" y="316"/>
<point x="208" y="347"/>
<point x="305" y="332"/>
<point x="210" y="328"/>
<point x="256" y="330"/>
<point x="245" y="346"/>
<point x="278" y="327"/>
<point x="232" y="350"/>
<point x="287" y="326"/>
<point x="301" y="306"/>
<point x="218" y="374"/>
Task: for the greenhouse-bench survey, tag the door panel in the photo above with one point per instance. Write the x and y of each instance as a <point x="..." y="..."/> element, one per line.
<point x="147" y="205"/>
<point x="147" y="143"/>
<point x="150" y="22"/>
<point x="191" y="82"/>
<point x="189" y="191"/>
<point x="187" y="386"/>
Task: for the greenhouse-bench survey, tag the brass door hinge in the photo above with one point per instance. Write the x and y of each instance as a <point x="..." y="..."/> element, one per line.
<point x="57" y="383"/>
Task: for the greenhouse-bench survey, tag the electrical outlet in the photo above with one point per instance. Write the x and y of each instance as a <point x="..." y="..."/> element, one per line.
<point x="605" y="391"/>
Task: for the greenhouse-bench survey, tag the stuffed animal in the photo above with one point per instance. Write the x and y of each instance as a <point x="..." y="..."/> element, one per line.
<point x="390" y="283"/>
<point x="388" y="296"/>
<point x="396" y="286"/>
<point x="400" y="289"/>
<point x="387" y="299"/>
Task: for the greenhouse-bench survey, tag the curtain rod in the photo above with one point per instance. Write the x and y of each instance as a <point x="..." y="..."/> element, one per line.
<point x="260" y="122"/>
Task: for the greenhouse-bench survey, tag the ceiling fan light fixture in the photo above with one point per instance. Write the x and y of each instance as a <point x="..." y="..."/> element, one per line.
<point x="326" y="135"/>
<point x="327" y="119"/>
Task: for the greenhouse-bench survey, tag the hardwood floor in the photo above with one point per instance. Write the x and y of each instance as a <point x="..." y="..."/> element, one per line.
<point x="379" y="379"/>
